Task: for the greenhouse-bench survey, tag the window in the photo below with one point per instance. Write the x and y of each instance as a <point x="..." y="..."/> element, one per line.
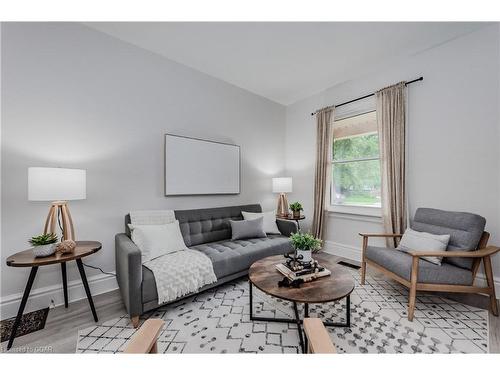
<point x="355" y="165"/>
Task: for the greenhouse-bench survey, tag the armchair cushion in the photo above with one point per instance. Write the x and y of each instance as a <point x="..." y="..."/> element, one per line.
<point x="465" y="230"/>
<point x="400" y="263"/>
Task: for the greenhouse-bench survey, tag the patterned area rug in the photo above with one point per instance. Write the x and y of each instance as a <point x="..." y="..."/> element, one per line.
<point x="217" y="321"/>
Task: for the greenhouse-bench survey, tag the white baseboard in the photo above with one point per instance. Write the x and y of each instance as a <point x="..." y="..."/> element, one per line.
<point x="51" y="296"/>
<point x="354" y="253"/>
<point x="342" y="250"/>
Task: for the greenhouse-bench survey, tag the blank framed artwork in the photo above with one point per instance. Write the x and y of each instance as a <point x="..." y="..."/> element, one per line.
<point x="200" y="167"/>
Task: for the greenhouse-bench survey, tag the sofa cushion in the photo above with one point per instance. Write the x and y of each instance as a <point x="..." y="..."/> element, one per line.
<point x="210" y="224"/>
<point x="228" y="257"/>
<point x="234" y="256"/>
<point x="465" y="230"/>
<point x="399" y="263"/>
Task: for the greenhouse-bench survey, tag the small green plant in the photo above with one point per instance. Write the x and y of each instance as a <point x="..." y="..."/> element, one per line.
<point x="296" y="206"/>
<point x="43" y="239"/>
<point x="305" y="241"/>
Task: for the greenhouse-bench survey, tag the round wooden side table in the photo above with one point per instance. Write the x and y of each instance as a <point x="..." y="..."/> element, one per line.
<point x="27" y="259"/>
<point x="340" y="284"/>
<point x="293" y="218"/>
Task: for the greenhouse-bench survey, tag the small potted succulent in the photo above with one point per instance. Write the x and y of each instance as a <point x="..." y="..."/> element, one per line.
<point x="44" y="244"/>
<point x="305" y="244"/>
<point x="296" y="207"/>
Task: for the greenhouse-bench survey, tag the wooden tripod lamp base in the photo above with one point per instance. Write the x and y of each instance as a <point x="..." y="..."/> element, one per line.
<point x="282" y="209"/>
<point x="60" y="208"/>
<point x="282" y="185"/>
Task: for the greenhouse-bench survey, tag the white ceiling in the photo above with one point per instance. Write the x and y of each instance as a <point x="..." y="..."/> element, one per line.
<point x="285" y="62"/>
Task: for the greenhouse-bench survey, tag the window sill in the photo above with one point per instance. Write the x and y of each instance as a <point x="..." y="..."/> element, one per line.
<point x="359" y="212"/>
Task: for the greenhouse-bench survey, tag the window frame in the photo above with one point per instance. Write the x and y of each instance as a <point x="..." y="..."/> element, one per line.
<point x="349" y="209"/>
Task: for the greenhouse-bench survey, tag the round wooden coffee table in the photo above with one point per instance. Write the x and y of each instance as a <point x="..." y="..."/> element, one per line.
<point x="27" y="259"/>
<point x="264" y="276"/>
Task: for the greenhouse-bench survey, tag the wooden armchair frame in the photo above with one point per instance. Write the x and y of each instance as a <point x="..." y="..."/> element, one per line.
<point x="318" y="339"/>
<point x="483" y="252"/>
<point x="144" y="341"/>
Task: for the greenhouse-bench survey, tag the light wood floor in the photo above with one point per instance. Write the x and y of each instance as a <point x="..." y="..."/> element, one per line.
<point x="60" y="332"/>
<point x="62" y="325"/>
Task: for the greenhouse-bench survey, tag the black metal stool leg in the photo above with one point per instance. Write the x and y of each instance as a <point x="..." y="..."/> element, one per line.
<point x="250" y="287"/>
<point x="86" y="286"/>
<point x="26" y="294"/>
<point x="299" y="327"/>
<point x="348" y="310"/>
<point x="306" y="315"/>
<point x="65" y="283"/>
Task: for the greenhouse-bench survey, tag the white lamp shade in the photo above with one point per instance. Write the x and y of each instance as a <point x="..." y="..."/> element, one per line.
<point x="56" y="184"/>
<point x="282" y="185"/>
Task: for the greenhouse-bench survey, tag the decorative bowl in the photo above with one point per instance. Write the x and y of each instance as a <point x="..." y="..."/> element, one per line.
<point x="44" y="250"/>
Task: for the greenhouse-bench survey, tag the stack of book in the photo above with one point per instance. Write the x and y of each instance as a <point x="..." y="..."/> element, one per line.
<point x="306" y="274"/>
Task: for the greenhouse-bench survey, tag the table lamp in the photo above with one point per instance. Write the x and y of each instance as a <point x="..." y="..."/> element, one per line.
<point x="58" y="185"/>
<point x="282" y="185"/>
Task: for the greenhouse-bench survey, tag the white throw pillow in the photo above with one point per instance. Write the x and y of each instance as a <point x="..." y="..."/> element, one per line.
<point x="269" y="226"/>
<point x="157" y="240"/>
<point x="413" y="240"/>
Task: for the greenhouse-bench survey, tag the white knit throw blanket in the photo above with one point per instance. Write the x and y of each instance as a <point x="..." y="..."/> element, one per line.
<point x="176" y="274"/>
<point x="180" y="273"/>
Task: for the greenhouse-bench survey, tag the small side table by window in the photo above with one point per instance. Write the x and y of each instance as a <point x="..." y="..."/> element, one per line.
<point x="27" y="259"/>
<point x="291" y="217"/>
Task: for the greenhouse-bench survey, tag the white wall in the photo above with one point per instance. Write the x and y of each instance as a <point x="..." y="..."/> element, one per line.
<point x="454" y="122"/>
<point x="74" y="97"/>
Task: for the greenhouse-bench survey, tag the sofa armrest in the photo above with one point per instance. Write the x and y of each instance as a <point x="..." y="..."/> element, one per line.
<point x="287" y="227"/>
<point x="129" y="273"/>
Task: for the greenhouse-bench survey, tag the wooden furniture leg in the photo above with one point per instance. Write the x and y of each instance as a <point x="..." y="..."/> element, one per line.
<point x="491" y="284"/>
<point x="318" y="339"/>
<point x="363" y="261"/>
<point x="413" y="288"/>
<point x="144" y="341"/>
<point x="135" y="321"/>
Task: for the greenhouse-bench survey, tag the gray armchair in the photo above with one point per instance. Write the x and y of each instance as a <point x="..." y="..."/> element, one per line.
<point x="461" y="260"/>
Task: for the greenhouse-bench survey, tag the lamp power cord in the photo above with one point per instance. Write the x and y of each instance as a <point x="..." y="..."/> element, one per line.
<point x="85" y="264"/>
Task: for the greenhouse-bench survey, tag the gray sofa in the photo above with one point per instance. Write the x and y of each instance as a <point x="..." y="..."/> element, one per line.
<point x="208" y="231"/>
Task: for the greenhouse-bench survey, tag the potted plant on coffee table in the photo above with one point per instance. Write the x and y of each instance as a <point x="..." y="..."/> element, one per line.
<point x="305" y="244"/>
<point x="296" y="207"/>
<point x="44" y="244"/>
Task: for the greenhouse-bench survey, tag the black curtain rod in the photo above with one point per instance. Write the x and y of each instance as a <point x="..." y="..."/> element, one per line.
<point x="366" y="96"/>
